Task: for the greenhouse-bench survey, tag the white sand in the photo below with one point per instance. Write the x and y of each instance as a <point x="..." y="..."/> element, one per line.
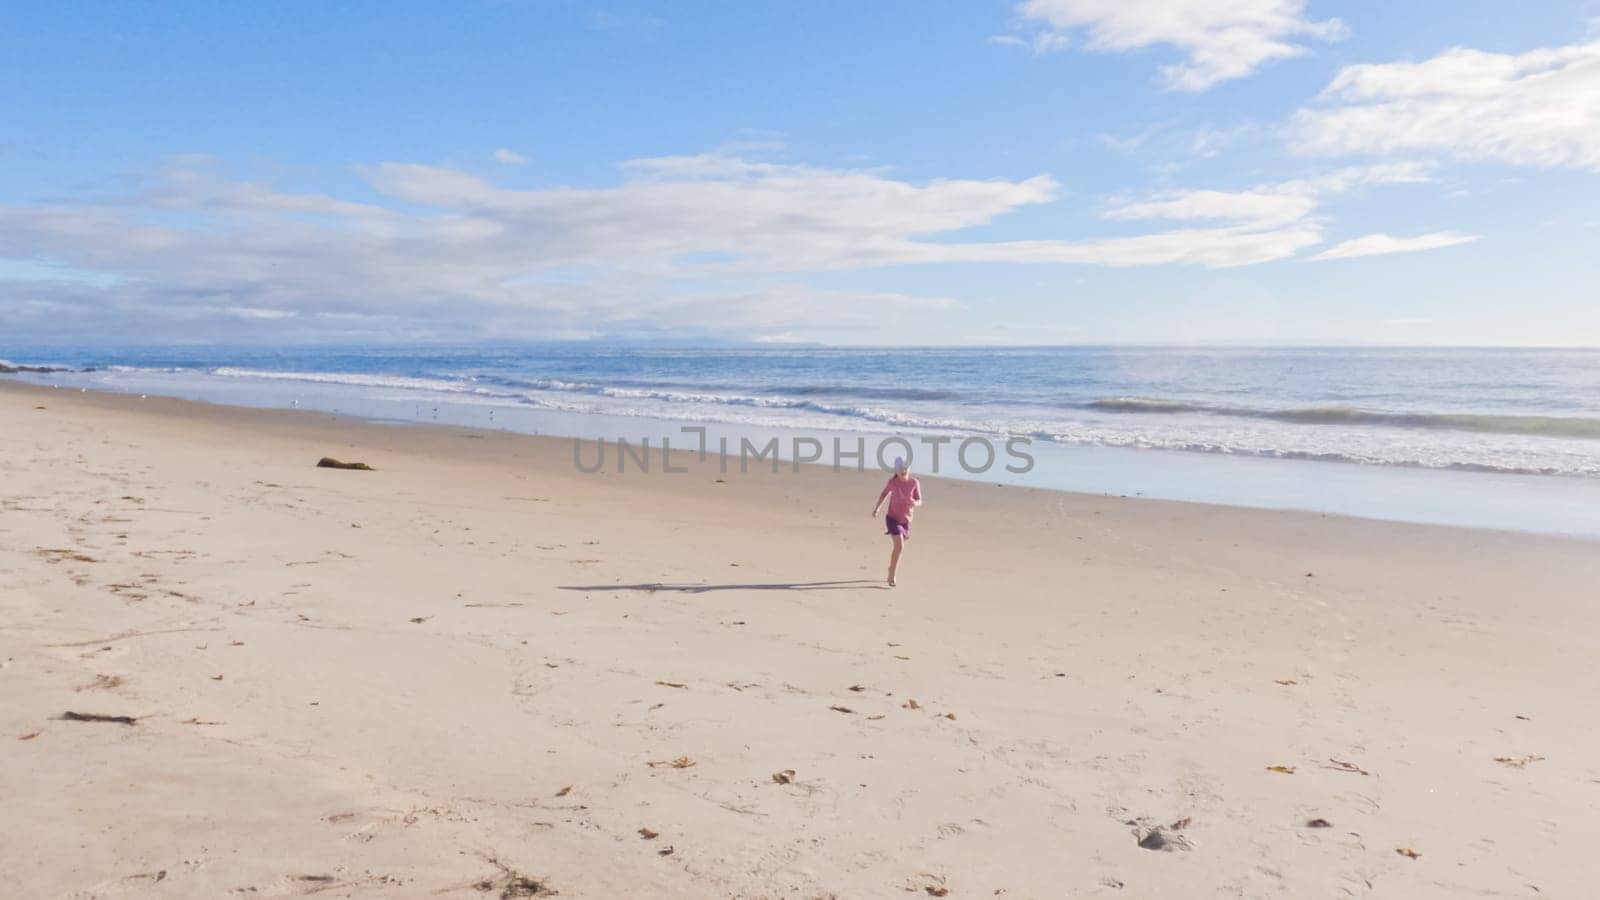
<point x="1078" y="663"/>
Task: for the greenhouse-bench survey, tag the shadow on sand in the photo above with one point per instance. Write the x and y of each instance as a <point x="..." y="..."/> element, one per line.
<point x="856" y="584"/>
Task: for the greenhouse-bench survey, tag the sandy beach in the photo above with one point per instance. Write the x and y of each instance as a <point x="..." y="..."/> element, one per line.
<point x="477" y="671"/>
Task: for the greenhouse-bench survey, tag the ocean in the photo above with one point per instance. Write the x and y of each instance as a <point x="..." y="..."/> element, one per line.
<point x="1507" y="416"/>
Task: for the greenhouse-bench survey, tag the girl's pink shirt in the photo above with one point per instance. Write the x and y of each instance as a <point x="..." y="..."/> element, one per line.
<point x="901" y="493"/>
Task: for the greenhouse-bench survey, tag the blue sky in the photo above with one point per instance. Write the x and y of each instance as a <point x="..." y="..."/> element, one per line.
<point x="1051" y="171"/>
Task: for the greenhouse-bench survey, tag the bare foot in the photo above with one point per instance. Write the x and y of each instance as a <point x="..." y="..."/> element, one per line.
<point x="891" y="581"/>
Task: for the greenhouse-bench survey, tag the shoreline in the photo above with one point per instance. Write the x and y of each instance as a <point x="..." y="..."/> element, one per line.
<point x="476" y="665"/>
<point x="1558" y="505"/>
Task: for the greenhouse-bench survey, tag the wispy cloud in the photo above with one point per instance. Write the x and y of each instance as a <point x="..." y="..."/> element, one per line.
<point x="1267" y="205"/>
<point x="681" y="241"/>
<point x="1383" y="244"/>
<point x="510" y="157"/>
<point x="1038" y="41"/>
<point x="1170" y="146"/>
<point x="1260" y="224"/>
<point x="1540" y="108"/>
<point x="1221" y="40"/>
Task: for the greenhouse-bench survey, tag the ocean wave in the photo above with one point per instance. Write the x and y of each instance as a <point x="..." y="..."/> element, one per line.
<point x="1495" y="447"/>
<point x="696" y="390"/>
<point x="871" y="392"/>
<point x="1545" y="426"/>
<point x="1352" y="456"/>
<point x="847" y="411"/>
<point x="10" y="368"/>
<point x="142" y="370"/>
<point x="808" y="399"/>
<point x="532" y="391"/>
<point x="353" y="379"/>
<point x="762" y="398"/>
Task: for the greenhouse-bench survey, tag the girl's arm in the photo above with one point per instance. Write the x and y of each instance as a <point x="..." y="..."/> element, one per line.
<point x="881" y="494"/>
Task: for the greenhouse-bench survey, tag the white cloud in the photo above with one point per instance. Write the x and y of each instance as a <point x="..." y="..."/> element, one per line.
<point x="1266" y="205"/>
<point x="1260" y="224"/>
<point x="1049" y="42"/>
<point x="1170" y="147"/>
<point x="1127" y="144"/>
<point x="247" y="312"/>
<point x="772" y="217"/>
<point x="1039" y="42"/>
<point x="1540" y="108"/>
<point x="1381" y="244"/>
<point x="1222" y="39"/>
<point x="708" y="232"/>
<point x="510" y="157"/>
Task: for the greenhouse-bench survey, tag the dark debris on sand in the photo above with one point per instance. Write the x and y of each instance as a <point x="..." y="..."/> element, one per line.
<point x="71" y="716"/>
<point x="512" y="884"/>
<point x="328" y="462"/>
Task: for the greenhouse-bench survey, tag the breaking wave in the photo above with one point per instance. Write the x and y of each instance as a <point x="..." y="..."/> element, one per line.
<point x="1547" y="426"/>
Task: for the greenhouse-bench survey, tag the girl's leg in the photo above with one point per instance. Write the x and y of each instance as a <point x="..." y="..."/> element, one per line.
<point x="894" y="556"/>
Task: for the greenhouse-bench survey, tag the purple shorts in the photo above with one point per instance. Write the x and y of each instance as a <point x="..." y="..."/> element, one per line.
<point x="901" y="527"/>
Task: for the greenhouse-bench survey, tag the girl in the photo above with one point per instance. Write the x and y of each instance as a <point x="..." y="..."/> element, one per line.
<point x="905" y="495"/>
